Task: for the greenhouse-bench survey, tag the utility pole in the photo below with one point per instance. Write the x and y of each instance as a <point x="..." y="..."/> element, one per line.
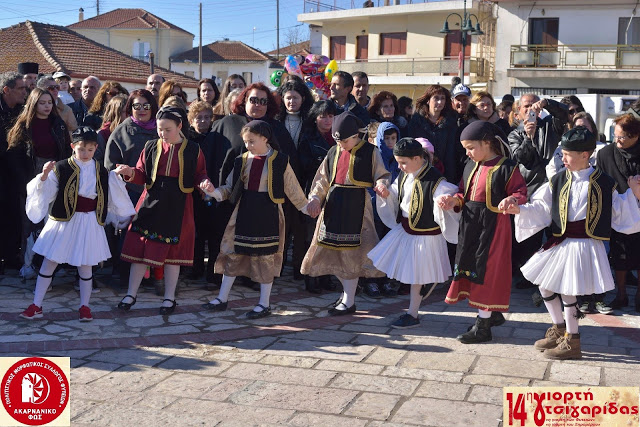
<point x="97" y="7"/>
<point x="278" y="27"/>
<point x="200" y="47"/>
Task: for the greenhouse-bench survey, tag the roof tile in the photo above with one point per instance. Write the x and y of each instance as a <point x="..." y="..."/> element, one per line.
<point x="224" y="51"/>
<point x="58" y="48"/>
<point x="126" y="18"/>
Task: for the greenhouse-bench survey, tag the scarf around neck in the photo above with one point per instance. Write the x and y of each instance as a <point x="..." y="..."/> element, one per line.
<point x="150" y="125"/>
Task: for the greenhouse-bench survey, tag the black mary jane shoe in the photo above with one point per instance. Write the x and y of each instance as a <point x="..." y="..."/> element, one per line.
<point x="266" y="311"/>
<point x="126" y="306"/>
<point x="222" y="306"/>
<point x="168" y="310"/>
<point x="335" y="311"/>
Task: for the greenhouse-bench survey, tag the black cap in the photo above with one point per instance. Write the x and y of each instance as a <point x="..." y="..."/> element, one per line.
<point x="84" y="134"/>
<point x="508" y="97"/>
<point x="345" y="125"/>
<point x="173" y="113"/>
<point x="259" y="127"/>
<point x="28" y="68"/>
<point x="408" y="147"/>
<point x="578" y="139"/>
<point x="481" y="131"/>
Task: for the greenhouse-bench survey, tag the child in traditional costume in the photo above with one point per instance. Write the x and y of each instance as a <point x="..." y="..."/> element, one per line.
<point x="253" y="241"/>
<point x="414" y="252"/>
<point x="80" y="197"/>
<point x="163" y="232"/>
<point x="345" y="231"/>
<point x="581" y="205"/>
<point x="491" y="183"/>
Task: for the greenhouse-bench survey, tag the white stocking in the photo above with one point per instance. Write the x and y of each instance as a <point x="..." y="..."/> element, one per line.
<point x="265" y="294"/>
<point x="85" y="272"/>
<point x="42" y="283"/>
<point x="349" y="295"/>
<point x="135" y="277"/>
<point x="484" y="314"/>
<point x="171" y="274"/>
<point x="554" y="306"/>
<point x="570" y="313"/>
<point x="225" y="288"/>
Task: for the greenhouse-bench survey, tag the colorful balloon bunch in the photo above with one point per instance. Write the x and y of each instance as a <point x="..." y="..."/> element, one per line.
<point x="315" y="70"/>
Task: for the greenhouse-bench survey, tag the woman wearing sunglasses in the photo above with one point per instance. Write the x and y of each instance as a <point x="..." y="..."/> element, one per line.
<point x="126" y="143"/>
<point x="255" y="102"/>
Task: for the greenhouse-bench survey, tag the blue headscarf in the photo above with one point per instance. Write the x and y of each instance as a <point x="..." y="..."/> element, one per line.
<point x="387" y="153"/>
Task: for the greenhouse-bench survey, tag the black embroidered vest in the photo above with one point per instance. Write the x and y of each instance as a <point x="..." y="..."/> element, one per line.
<point x="276" y="166"/>
<point x="360" y="167"/>
<point x="421" y="205"/>
<point x="599" y="202"/>
<point x="187" y="160"/>
<point x="68" y="173"/>
<point x="497" y="180"/>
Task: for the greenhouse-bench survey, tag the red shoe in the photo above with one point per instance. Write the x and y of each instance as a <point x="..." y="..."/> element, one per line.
<point x="85" y="314"/>
<point x="33" y="312"/>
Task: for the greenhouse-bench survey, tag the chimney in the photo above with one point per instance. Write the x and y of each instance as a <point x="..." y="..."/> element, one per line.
<point x="81" y="15"/>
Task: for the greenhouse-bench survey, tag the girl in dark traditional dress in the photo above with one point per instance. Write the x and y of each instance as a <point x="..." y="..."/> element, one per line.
<point x="345" y="231"/>
<point x="253" y="243"/>
<point x="163" y="231"/>
<point x="491" y="183"/>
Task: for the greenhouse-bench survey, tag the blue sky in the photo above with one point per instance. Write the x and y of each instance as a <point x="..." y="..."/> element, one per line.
<point x="234" y="19"/>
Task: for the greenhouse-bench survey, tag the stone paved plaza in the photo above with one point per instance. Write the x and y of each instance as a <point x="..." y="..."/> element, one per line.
<point x="299" y="367"/>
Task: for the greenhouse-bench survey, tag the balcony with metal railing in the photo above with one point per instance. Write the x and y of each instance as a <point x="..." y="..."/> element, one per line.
<point x="424" y="70"/>
<point x="311" y="6"/>
<point x="575" y="60"/>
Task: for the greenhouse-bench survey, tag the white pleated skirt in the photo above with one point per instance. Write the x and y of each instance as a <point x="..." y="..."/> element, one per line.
<point x="411" y="259"/>
<point x="574" y="267"/>
<point x="79" y="241"/>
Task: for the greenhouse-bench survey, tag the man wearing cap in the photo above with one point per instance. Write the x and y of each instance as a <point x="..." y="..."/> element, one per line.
<point x="341" y="87"/>
<point x="29" y="71"/>
<point x="154" y="82"/>
<point x="460" y="100"/>
<point x="49" y="84"/>
<point x="63" y="81"/>
<point x="90" y="87"/>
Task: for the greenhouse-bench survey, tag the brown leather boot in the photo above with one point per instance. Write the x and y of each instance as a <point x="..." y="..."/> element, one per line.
<point x="568" y="348"/>
<point x="551" y="337"/>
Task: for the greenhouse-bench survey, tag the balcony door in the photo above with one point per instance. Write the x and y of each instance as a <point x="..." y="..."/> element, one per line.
<point x="544" y="31"/>
<point x="452" y="49"/>
<point x="362" y="48"/>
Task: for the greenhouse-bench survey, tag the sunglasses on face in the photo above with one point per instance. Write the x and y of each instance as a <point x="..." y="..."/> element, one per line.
<point x="137" y="106"/>
<point x="53" y="87"/>
<point x="572" y="111"/>
<point x="255" y="100"/>
<point x="112" y="93"/>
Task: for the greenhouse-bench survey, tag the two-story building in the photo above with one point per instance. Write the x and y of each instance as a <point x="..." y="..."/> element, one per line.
<point x="135" y="32"/>
<point x="400" y="45"/>
<point x="559" y="47"/>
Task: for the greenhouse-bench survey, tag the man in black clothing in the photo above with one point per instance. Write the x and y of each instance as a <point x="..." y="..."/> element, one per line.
<point x="13" y="93"/>
<point x="341" y="87"/>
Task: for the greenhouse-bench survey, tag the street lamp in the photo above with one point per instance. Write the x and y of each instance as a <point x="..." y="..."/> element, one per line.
<point x="465" y="27"/>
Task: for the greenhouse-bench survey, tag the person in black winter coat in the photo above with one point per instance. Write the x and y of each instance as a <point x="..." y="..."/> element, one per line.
<point x="435" y="120"/>
<point x="39" y="135"/>
<point x="341" y="87"/>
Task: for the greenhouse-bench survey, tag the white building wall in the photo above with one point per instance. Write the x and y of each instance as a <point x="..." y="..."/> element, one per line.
<point x="260" y="71"/>
<point x="590" y="22"/>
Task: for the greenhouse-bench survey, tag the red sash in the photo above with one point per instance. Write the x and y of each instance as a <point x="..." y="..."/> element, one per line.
<point x="574" y="230"/>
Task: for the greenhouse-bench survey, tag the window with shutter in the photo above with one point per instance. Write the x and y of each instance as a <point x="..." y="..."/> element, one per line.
<point x="393" y="43"/>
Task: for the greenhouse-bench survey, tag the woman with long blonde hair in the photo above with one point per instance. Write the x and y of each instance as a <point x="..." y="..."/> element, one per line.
<point x="168" y="88"/>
